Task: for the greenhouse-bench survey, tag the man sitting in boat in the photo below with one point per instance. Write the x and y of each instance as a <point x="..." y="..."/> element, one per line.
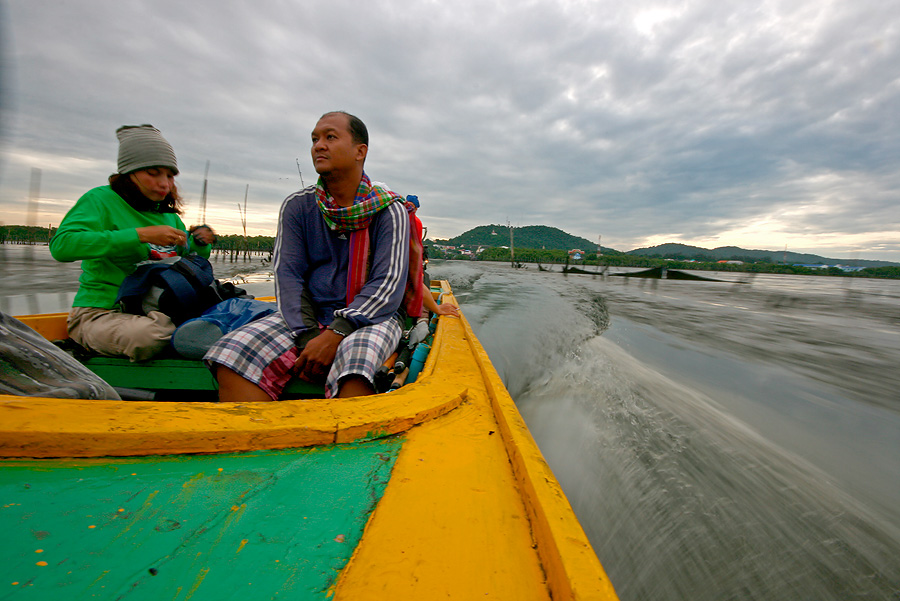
<point x="348" y="270"/>
<point x="111" y="229"/>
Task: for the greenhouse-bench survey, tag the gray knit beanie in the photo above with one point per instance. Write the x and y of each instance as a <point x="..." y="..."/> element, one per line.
<point x="142" y="147"/>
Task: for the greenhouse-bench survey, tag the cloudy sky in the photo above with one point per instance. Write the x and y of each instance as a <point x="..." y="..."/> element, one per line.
<point x="753" y="123"/>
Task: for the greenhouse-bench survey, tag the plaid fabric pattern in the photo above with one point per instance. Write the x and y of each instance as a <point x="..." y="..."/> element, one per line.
<point x="363" y="352"/>
<point x="356" y="218"/>
<point x="263" y="352"/>
<point x="369" y="200"/>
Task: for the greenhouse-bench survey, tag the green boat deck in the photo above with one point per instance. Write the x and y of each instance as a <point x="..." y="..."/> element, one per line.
<point x="189" y="526"/>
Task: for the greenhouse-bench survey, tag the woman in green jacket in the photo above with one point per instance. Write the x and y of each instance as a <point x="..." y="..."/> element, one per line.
<point x="112" y="229"/>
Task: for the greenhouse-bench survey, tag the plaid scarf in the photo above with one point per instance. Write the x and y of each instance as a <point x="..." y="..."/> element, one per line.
<point x="370" y="199"/>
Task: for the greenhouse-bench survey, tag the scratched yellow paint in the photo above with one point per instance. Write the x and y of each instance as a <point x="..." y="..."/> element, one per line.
<point x="428" y="540"/>
<point x="480" y="538"/>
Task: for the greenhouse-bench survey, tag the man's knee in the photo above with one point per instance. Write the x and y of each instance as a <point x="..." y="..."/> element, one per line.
<point x="354" y="385"/>
<point x="234" y="387"/>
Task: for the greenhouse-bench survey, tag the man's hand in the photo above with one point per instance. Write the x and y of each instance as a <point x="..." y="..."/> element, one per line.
<point x="317" y="356"/>
<point x="447" y="308"/>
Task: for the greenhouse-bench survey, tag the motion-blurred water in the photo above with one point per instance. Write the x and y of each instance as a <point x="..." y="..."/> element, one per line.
<point x="718" y="440"/>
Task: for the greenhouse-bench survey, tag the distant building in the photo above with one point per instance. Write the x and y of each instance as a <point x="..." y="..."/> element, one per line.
<point x="844" y="268"/>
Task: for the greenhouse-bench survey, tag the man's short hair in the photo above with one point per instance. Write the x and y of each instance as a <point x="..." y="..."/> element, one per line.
<point x="358" y="130"/>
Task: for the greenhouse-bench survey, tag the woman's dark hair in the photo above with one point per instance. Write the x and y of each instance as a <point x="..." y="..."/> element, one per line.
<point x="122" y="185"/>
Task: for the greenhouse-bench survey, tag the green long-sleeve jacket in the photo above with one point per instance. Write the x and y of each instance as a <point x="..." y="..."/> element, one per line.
<point x="101" y="232"/>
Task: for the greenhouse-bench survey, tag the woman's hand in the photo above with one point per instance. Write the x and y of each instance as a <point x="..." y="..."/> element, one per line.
<point x="203" y="235"/>
<point x="162" y="235"/>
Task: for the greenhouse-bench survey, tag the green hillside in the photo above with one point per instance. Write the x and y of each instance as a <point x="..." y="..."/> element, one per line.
<point x="531" y="236"/>
<point x="551" y="238"/>
<point x="733" y="253"/>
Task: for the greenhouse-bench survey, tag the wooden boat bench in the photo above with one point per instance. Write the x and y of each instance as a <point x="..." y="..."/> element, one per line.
<point x="176" y="378"/>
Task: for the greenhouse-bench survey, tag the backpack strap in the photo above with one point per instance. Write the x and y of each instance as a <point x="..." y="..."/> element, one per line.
<point x="136" y="285"/>
<point x="197" y="269"/>
<point x="178" y="282"/>
<point x="186" y="278"/>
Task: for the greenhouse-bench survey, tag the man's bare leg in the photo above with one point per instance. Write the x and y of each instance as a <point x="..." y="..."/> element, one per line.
<point x="234" y="388"/>
<point x="354" y="385"/>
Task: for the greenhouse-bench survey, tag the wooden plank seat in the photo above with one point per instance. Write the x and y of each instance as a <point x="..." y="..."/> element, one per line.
<point x="177" y="378"/>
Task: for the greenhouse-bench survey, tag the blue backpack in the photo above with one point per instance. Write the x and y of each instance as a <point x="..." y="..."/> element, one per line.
<point x="182" y="289"/>
<point x="195" y="336"/>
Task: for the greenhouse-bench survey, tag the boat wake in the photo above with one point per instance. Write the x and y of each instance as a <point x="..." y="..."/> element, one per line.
<point x="681" y="500"/>
<point x="679" y="496"/>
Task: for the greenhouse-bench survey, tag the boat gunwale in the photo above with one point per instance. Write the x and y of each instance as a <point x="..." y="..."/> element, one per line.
<point x="40" y="427"/>
<point x="572" y="567"/>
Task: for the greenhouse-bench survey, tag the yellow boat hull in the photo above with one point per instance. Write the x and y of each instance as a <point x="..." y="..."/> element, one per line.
<point x="471" y="511"/>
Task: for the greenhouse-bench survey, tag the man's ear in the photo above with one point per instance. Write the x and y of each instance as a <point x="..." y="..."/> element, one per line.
<point x="361" y="151"/>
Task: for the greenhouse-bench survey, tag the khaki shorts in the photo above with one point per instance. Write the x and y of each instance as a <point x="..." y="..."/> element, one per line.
<point x="115" y="334"/>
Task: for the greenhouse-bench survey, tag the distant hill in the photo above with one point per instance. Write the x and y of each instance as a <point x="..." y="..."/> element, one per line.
<point x="551" y="238"/>
<point x="733" y="253"/>
<point x="530" y="236"/>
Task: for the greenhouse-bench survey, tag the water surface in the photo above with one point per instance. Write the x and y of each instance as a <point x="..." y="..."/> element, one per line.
<point x="718" y="440"/>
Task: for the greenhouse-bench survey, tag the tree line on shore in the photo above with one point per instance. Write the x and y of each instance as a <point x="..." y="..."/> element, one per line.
<point x="33" y="234"/>
<point x="236" y="244"/>
<point x="543" y="256"/>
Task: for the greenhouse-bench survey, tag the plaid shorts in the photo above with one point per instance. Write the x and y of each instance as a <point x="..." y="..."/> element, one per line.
<point x="264" y="353"/>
